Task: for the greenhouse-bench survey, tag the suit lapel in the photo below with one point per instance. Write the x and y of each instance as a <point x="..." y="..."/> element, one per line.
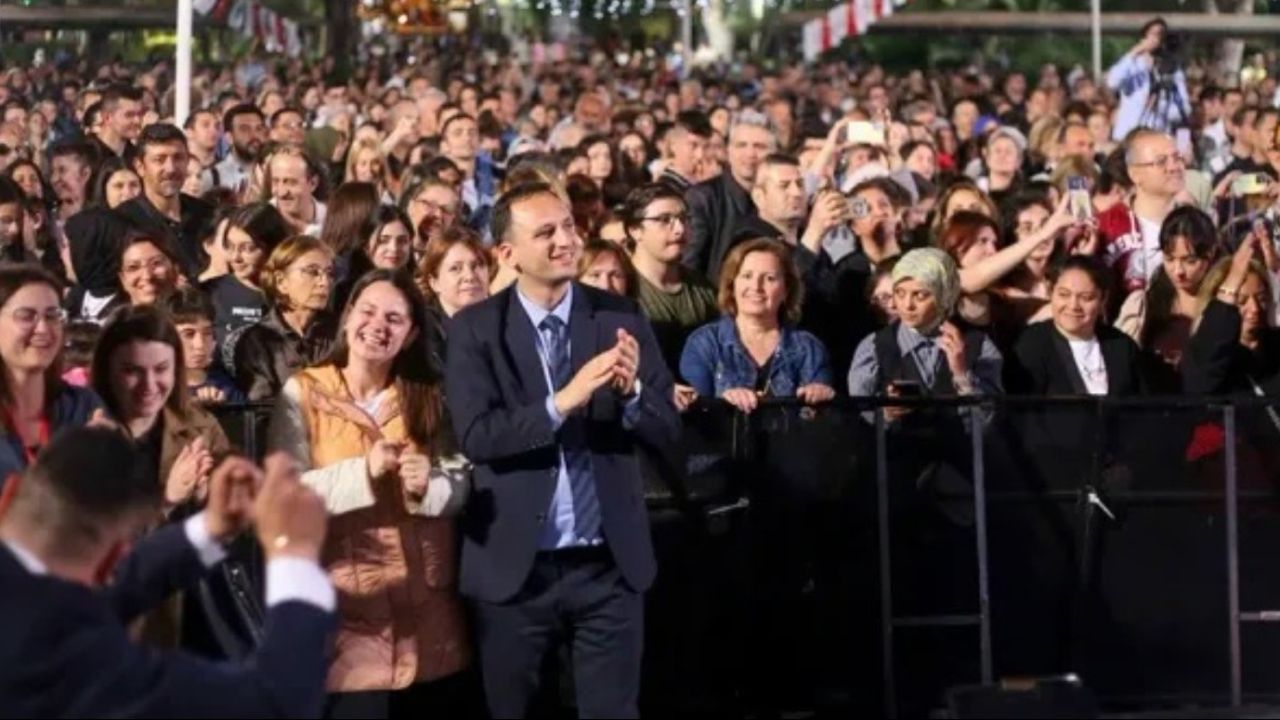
<point x="1113" y="358"/>
<point x="521" y="342"/>
<point x="1063" y="350"/>
<point x="583" y="337"/>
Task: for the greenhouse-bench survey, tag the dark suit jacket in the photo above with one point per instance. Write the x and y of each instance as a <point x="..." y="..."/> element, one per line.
<point x="497" y="396"/>
<point x="64" y="650"/>
<point x="716" y="207"/>
<point x="1063" y="439"/>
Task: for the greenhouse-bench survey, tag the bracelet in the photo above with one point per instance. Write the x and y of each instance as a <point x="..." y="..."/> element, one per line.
<point x="1228" y="292"/>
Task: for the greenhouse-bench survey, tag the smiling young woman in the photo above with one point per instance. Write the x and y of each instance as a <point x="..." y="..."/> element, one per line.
<point x="370" y="427"/>
<point x="34" y="401"/>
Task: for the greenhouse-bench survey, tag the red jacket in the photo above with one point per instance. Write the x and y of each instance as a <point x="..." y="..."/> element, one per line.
<point x="1121" y="237"/>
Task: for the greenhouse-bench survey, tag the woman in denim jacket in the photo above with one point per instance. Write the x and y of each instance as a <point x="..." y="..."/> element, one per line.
<point x="755" y="351"/>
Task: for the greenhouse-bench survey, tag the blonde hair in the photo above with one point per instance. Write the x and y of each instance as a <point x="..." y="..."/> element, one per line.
<point x="353" y="157"/>
<point x="1044" y="134"/>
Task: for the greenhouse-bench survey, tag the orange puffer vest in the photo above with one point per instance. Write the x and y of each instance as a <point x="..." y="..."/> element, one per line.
<point x="400" y="616"/>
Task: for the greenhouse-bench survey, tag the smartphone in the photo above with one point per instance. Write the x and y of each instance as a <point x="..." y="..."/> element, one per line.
<point x="1078" y="198"/>
<point x="1251" y="184"/>
<point x="859" y="208"/>
<point x="907" y="388"/>
<point x="861" y="132"/>
<point x="1182" y="138"/>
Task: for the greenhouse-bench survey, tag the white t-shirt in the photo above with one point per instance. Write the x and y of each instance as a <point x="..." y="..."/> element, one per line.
<point x="1090" y="363"/>
<point x="1148" y="260"/>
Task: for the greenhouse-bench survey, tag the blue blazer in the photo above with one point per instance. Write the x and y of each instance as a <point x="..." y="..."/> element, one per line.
<point x="497" y="392"/>
<point x="64" y="651"/>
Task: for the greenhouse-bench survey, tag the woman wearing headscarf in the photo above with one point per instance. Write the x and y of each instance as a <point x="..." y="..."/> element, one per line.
<point x="928" y="450"/>
<point x="923" y="353"/>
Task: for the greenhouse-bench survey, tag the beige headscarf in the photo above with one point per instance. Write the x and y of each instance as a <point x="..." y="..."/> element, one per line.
<point x="935" y="270"/>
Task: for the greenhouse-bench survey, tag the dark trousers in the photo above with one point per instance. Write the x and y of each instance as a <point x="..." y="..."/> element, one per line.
<point x="455" y="696"/>
<point x="576" y="597"/>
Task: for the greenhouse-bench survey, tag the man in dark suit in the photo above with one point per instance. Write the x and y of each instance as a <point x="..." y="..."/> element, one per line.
<point x="64" y="648"/>
<point x="719" y="205"/>
<point x="551" y="385"/>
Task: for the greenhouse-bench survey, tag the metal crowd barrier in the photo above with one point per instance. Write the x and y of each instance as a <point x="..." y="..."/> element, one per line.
<point x="736" y="443"/>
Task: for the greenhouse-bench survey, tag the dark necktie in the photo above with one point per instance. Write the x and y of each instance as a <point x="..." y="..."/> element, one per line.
<point x="572" y="435"/>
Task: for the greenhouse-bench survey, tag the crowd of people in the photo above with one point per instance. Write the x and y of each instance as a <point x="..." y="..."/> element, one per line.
<point x="472" y="288"/>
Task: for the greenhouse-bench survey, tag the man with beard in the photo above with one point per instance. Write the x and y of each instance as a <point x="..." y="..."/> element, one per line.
<point x="162" y="211"/>
<point x="248" y="130"/>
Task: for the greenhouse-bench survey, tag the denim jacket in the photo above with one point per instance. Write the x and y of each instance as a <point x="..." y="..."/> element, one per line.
<point x="715" y="360"/>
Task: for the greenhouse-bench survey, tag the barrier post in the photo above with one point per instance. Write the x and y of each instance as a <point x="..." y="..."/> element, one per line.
<point x="886" y="590"/>
<point x="980" y="528"/>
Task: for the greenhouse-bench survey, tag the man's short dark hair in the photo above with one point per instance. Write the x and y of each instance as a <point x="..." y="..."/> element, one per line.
<point x="892" y="190"/>
<point x="112" y="96"/>
<point x="82" y="151"/>
<point x="695" y="122"/>
<point x="158" y="134"/>
<point x="236" y="111"/>
<point x="287" y="110"/>
<point x="639" y="200"/>
<point x="190" y="122"/>
<point x="189" y="305"/>
<point x="1210" y="93"/>
<point x="501" y="223"/>
<point x="456" y="118"/>
<point x="82" y="482"/>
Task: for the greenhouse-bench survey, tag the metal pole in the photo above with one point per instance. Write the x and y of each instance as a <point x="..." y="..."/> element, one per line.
<point x="1233" y="556"/>
<point x="886" y="572"/>
<point x="980" y="526"/>
<point x="1095" y="17"/>
<point x="686" y="37"/>
<point x="182" y="74"/>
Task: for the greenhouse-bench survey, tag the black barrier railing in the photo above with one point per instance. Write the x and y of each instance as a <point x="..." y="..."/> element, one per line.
<point x="747" y="445"/>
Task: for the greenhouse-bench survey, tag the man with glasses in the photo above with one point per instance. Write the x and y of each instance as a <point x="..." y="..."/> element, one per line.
<point x="676" y="300"/>
<point x="1131" y="230"/>
<point x="288" y="127"/>
<point x="433" y="206"/>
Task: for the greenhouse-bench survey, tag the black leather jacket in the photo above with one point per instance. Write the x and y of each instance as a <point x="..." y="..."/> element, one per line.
<point x="270" y="352"/>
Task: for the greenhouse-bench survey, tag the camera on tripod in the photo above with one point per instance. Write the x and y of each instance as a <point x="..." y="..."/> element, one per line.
<point x="1170" y="56"/>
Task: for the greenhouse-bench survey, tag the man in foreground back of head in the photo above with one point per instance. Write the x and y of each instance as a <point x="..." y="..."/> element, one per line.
<point x="64" y="649"/>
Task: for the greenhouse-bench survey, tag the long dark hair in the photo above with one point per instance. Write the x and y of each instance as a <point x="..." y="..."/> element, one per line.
<point x="1184" y="223"/>
<point x="417" y="379"/>
<point x="97" y="189"/>
<point x="361" y="262"/>
<point x="12" y="279"/>
<point x="349" y="223"/>
<point x="138" y="323"/>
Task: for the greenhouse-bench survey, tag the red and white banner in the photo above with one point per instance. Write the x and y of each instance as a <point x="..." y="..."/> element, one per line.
<point x="850" y="18"/>
<point x="253" y="20"/>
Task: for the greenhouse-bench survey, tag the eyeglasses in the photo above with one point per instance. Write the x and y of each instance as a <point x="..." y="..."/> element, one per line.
<point x="316" y="273"/>
<point x="668" y="220"/>
<point x="435" y="207"/>
<point x="28" y="318"/>
<point x="154" y="265"/>
<point x="1163" y="161"/>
